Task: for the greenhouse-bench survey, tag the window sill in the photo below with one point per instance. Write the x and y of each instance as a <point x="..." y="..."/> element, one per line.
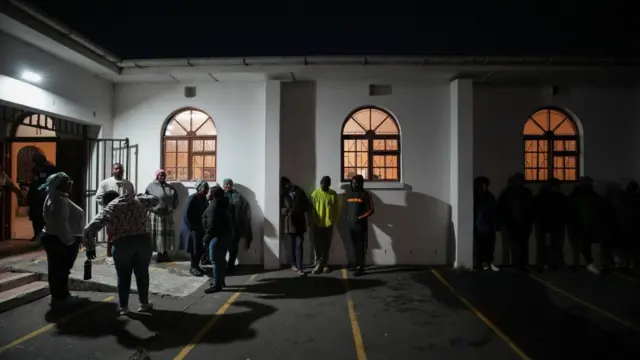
<point x="379" y="185"/>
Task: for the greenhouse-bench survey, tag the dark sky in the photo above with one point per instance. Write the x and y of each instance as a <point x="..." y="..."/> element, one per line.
<point x="172" y="29"/>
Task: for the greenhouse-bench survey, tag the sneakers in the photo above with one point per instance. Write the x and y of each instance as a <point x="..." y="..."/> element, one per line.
<point x="490" y="267"/>
<point x="109" y="260"/>
<point x="123" y="310"/>
<point x="196" y="272"/>
<point x="326" y="270"/>
<point x="145" y="307"/>
<point x="317" y="269"/>
<point x="212" y="289"/>
<point x="297" y="271"/>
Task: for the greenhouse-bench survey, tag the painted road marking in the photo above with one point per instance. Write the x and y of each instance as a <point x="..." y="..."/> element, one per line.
<point x="480" y="316"/>
<point x="196" y="339"/>
<point x="48" y="327"/>
<point x="355" y="326"/>
<point x="626" y="277"/>
<point x="584" y="303"/>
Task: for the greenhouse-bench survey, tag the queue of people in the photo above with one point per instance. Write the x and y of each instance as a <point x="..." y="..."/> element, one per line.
<point x="586" y="216"/>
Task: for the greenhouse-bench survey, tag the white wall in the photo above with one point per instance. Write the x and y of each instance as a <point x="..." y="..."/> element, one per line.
<point x="411" y="223"/>
<point x="607" y="116"/>
<point x="238" y="111"/>
<point x="66" y="90"/>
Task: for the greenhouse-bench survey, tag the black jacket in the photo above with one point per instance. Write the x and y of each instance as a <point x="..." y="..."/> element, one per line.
<point x="216" y="220"/>
<point x="359" y="208"/>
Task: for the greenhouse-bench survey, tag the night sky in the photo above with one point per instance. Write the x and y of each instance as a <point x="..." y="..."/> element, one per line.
<point x="177" y="29"/>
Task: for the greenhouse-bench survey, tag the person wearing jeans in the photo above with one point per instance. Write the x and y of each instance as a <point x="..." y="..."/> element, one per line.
<point x="126" y="218"/>
<point x="60" y="237"/>
<point x="294" y="206"/>
<point x="326" y="211"/>
<point x="218" y="233"/>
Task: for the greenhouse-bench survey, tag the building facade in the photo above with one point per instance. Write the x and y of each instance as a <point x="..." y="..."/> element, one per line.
<point x="418" y="132"/>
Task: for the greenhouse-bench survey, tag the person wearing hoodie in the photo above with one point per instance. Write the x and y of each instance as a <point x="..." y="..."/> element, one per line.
<point x="484" y="229"/>
<point x="191" y="230"/>
<point x="294" y="206"/>
<point x="325" y="214"/>
<point x="358" y="210"/>
<point x="240" y="211"/>
<point x="585" y="221"/>
<point x="515" y="216"/>
<point x="550" y="221"/>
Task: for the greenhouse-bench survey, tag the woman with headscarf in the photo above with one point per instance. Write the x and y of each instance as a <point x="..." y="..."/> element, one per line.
<point x="161" y="216"/>
<point x="61" y="236"/>
<point x="191" y="229"/>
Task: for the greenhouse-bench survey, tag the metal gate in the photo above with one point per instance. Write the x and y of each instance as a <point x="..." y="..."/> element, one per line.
<point x="101" y="155"/>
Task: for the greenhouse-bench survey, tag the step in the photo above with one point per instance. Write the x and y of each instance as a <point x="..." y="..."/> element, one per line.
<point x="10" y="280"/>
<point x="23" y="294"/>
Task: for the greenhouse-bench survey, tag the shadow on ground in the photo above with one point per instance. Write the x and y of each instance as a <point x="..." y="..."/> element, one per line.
<point x="543" y="323"/>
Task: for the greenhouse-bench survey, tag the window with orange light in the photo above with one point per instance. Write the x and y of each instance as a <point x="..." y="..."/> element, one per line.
<point x="551" y="146"/>
<point x="371" y="146"/>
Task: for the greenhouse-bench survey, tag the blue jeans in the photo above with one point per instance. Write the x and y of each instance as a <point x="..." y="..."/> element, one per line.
<point x="218" y="255"/>
<point x="132" y="254"/>
<point x="296" y="249"/>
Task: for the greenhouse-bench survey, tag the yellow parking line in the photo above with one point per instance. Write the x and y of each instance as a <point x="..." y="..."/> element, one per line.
<point x="48" y="327"/>
<point x="582" y="302"/>
<point x="626" y="277"/>
<point x="196" y="339"/>
<point x="355" y="327"/>
<point x="480" y="316"/>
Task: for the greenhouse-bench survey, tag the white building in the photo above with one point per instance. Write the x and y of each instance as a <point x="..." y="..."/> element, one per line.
<point x="449" y="119"/>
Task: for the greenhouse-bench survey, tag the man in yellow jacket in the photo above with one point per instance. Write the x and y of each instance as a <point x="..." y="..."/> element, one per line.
<point x="326" y="209"/>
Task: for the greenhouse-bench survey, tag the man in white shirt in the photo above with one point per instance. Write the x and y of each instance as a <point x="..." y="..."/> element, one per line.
<point x="118" y="183"/>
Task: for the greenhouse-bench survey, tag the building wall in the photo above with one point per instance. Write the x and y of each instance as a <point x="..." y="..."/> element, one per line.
<point x="238" y="111"/>
<point x="607" y="118"/>
<point x="411" y="223"/>
<point x="66" y="90"/>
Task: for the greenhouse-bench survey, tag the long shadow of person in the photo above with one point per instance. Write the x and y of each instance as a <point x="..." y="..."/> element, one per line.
<point x="166" y="329"/>
<point x="254" y="253"/>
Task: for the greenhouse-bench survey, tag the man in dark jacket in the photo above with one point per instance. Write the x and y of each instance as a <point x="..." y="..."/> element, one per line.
<point x="358" y="210"/>
<point x="294" y="208"/>
<point x="42" y="169"/>
<point x="240" y="211"/>
<point x="515" y="214"/>
<point x="484" y="229"/>
<point x="585" y="222"/>
<point x="218" y="233"/>
<point x="550" y="220"/>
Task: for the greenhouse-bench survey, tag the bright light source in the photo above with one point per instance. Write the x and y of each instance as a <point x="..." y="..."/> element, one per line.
<point x="31" y="76"/>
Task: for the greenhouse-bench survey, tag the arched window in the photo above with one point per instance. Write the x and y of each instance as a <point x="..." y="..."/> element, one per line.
<point x="44" y="122"/>
<point x="551" y="146"/>
<point x="189" y="146"/>
<point x="371" y="145"/>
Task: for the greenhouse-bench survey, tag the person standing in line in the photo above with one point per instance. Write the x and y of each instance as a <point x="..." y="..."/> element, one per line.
<point x="585" y="221"/>
<point x="326" y="211"/>
<point x="218" y="233"/>
<point x="240" y="211"/>
<point x="126" y="218"/>
<point x="6" y="183"/>
<point x="550" y="221"/>
<point x="61" y="237"/>
<point x="484" y="224"/>
<point x="161" y="216"/>
<point x="42" y="169"/>
<point x="515" y="216"/>
<point x="358" y="210"/>
<point x="191" y="229"/>
<point x="117" y="183"/>
<point x="294" y="208"/>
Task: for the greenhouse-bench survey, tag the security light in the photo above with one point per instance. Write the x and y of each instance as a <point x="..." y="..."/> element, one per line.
<point x="31" y="76"/>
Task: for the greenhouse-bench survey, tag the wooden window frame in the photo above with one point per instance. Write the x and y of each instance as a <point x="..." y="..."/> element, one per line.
<point x="550" y="138"/>
<point x="370" y="136"/>
<point x="190" y="139"/>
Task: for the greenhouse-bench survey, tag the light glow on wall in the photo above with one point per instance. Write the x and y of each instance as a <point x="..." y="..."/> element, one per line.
<point x="31" y="76"/>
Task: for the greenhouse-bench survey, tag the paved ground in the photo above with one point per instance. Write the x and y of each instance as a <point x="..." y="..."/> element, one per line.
<point x="390" y="313"/>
